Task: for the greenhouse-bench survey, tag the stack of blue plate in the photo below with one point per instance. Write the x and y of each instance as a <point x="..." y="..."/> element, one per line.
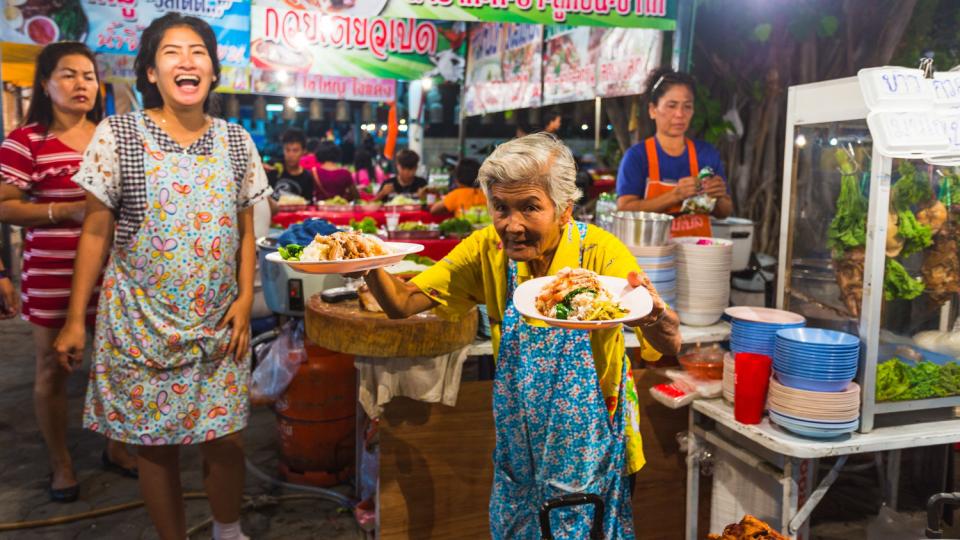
<point x="662" y="272"/>
<point x="816" y="429"/>
<point x="815" y="359"/>
<point x="754" y="329"/>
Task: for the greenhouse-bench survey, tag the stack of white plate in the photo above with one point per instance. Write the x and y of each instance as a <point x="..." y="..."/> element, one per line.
<point x="659" y="263"/>
<point x="729" y="377"/>
<point x="703" y="279"/>
<point x="820" y="415"/>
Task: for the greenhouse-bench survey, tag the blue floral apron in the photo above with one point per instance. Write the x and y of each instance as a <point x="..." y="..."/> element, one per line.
<point x="554" y="434"/>
<point x="161" y="373"/>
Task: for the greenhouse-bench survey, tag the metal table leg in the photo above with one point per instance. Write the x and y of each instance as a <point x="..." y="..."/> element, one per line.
<point x="804" y="512"/>
<point x="693" y="480"/>
<point x="892" y="487"/>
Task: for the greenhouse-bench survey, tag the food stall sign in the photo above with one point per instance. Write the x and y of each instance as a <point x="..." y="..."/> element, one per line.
<point x="946" y="89"/>
<point x="298" y="41"/>
<point x="504" y="70"/>
<point x="656" y="14"/>
<point x="913" y="116"/>
<point x="309" y="85"/>
<point x="115" y="26"/>
<point x="908" y="135"/>
<point x="895" y="89"/>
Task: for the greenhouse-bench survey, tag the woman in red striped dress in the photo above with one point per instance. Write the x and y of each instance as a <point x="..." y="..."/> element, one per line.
<point x="37" y="162"/>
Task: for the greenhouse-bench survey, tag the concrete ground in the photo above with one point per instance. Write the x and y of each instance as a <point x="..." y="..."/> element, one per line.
<point x="24" y="470"/>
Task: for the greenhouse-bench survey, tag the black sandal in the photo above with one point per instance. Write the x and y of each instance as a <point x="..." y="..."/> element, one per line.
<point x="63" y="495"/>
<point x="108" y="465"/>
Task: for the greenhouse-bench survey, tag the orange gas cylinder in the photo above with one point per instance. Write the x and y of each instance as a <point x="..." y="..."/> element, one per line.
<point x="316" y="417"/>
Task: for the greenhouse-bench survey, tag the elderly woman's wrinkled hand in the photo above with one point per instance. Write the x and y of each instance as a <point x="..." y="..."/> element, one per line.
<point x="641" y="280"/>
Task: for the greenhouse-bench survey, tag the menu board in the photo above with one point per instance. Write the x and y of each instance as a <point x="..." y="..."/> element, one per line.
<point x="570" y="63"/>
<point x="625" y="56"/>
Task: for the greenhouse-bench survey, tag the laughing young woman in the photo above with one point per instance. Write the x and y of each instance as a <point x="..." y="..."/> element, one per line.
<point x="171" y="352"/>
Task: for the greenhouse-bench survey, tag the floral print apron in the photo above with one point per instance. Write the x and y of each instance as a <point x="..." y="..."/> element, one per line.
<point x="161" y="374"/>
<point x="554" y="434"/>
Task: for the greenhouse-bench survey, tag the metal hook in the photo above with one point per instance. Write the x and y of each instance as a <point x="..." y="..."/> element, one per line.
<point x="926" y="66"/>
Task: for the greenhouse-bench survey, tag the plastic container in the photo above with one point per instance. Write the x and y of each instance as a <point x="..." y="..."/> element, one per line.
<point x="706" y="364"/>
<point x="752" y="376"/>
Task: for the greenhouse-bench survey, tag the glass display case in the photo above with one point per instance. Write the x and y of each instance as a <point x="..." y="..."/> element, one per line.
<point x="868" y="246"/>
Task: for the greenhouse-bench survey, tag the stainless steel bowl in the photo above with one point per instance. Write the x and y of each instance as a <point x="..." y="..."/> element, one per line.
<point x="642" y="228"/>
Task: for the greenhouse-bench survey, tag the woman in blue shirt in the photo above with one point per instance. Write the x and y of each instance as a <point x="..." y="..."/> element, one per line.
<point x="659" y="173"/>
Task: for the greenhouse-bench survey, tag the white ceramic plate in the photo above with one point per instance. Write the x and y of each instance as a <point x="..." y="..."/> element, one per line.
<point x="398" y="250"/>
<point x="637" y="302"/>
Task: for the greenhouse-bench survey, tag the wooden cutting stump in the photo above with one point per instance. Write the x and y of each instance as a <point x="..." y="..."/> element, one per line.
<point x="343" y="327"/>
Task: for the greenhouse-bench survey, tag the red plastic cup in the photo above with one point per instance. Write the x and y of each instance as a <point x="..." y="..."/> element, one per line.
<point x="750" y="386"/>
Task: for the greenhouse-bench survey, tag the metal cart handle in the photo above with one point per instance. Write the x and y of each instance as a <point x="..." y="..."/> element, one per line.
<point x="935" y="509"/>
<point x="573" y="499"/>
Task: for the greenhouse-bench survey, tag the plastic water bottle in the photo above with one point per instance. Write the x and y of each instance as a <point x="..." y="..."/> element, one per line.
<point x="606" y="208"/>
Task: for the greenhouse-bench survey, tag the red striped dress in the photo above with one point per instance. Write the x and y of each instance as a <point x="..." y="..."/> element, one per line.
<point x="42" y="166"/>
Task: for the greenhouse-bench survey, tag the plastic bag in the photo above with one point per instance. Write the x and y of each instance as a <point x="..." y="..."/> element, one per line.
<point x="701" y="203"/>
<point x="280" y="363"/>
<point x="892" y="525"/>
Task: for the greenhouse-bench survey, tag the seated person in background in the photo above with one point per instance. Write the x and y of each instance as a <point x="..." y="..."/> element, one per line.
<point x="290" y="178"/>
<point x="332" y="179"/>
<point x="467" y="194"/>
<point x="406" y="181"/>
<point x="366" y="172"/>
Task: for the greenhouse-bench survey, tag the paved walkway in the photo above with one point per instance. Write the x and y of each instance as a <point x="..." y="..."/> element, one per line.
<point x="23" y="470"/>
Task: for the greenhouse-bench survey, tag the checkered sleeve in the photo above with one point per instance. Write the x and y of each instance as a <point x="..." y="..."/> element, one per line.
<point x="132" y="201"/>
<point x="247" y="164"/>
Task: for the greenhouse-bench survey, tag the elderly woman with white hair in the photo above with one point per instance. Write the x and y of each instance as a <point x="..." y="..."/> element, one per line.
<point x="565" y="405"/>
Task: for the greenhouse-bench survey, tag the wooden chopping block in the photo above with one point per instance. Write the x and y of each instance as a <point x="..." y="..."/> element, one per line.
<point x="345" y="328"/>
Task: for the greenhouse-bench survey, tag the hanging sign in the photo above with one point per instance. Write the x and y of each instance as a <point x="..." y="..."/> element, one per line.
<point x="504" y="64"/>
<point x="307" y="41"/>
<point x="657" y="14"/>
<point x="115" y="26"/>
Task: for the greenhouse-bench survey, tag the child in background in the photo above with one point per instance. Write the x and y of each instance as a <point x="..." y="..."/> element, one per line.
<point x="467" y="193"/>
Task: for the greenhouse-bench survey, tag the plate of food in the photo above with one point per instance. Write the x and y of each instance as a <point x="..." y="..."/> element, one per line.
<point x="335" y="204"/>
<point x="580" y="299"/>
<point x="414" y="230"/>
<point x="341" y="253"/>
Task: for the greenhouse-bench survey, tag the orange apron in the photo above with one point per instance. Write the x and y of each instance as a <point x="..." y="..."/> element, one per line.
<point x="685" y="224"/>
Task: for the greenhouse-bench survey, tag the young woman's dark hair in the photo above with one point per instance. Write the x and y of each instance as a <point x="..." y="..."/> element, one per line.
<point x="466" y="172"/>
<point x="328" y="151"/>
<point x="150" y="42"/>
<point x="363" y="161"/>
<point x="664" y="78"/>
<point x="40" y="110"/>
<point x="294" y="135"/>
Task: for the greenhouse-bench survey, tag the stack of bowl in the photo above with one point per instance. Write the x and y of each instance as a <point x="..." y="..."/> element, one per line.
<point x="729" y="377"/>
<point x="754" y="329"/>
<point x="703" y="279"/>
<point x="815" y="359"/>
<point x="820" y="415"/>
<point x="659" y="263"/>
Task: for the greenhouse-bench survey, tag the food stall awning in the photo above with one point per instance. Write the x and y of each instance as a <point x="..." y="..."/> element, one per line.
<point x="18" y="61"/>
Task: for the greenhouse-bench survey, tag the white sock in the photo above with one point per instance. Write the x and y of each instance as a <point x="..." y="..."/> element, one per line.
<point x="228" y="531"/>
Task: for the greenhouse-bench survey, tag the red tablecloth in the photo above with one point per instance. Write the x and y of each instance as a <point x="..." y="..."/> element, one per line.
<point x="602" y="185"/>
<point x="436" y="249"/>
<point x="285" y="219"/>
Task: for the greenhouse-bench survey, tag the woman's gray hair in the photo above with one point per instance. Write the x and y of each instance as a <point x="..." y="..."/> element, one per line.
<point x="539" y="159"/>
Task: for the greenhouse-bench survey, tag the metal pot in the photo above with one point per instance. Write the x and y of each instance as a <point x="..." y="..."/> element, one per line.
<point x="642" y="228"/>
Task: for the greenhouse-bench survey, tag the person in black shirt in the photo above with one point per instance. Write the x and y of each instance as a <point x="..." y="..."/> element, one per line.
<point x="291" y="178"/>
<point x="406" y="181"/>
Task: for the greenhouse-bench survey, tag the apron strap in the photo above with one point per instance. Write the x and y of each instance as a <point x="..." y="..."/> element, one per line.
<point x="692" y="155"/>
<point x="653" y="161"/>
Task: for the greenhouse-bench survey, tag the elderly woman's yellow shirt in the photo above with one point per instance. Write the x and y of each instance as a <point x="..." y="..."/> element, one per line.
<point x="475" y="273"/>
